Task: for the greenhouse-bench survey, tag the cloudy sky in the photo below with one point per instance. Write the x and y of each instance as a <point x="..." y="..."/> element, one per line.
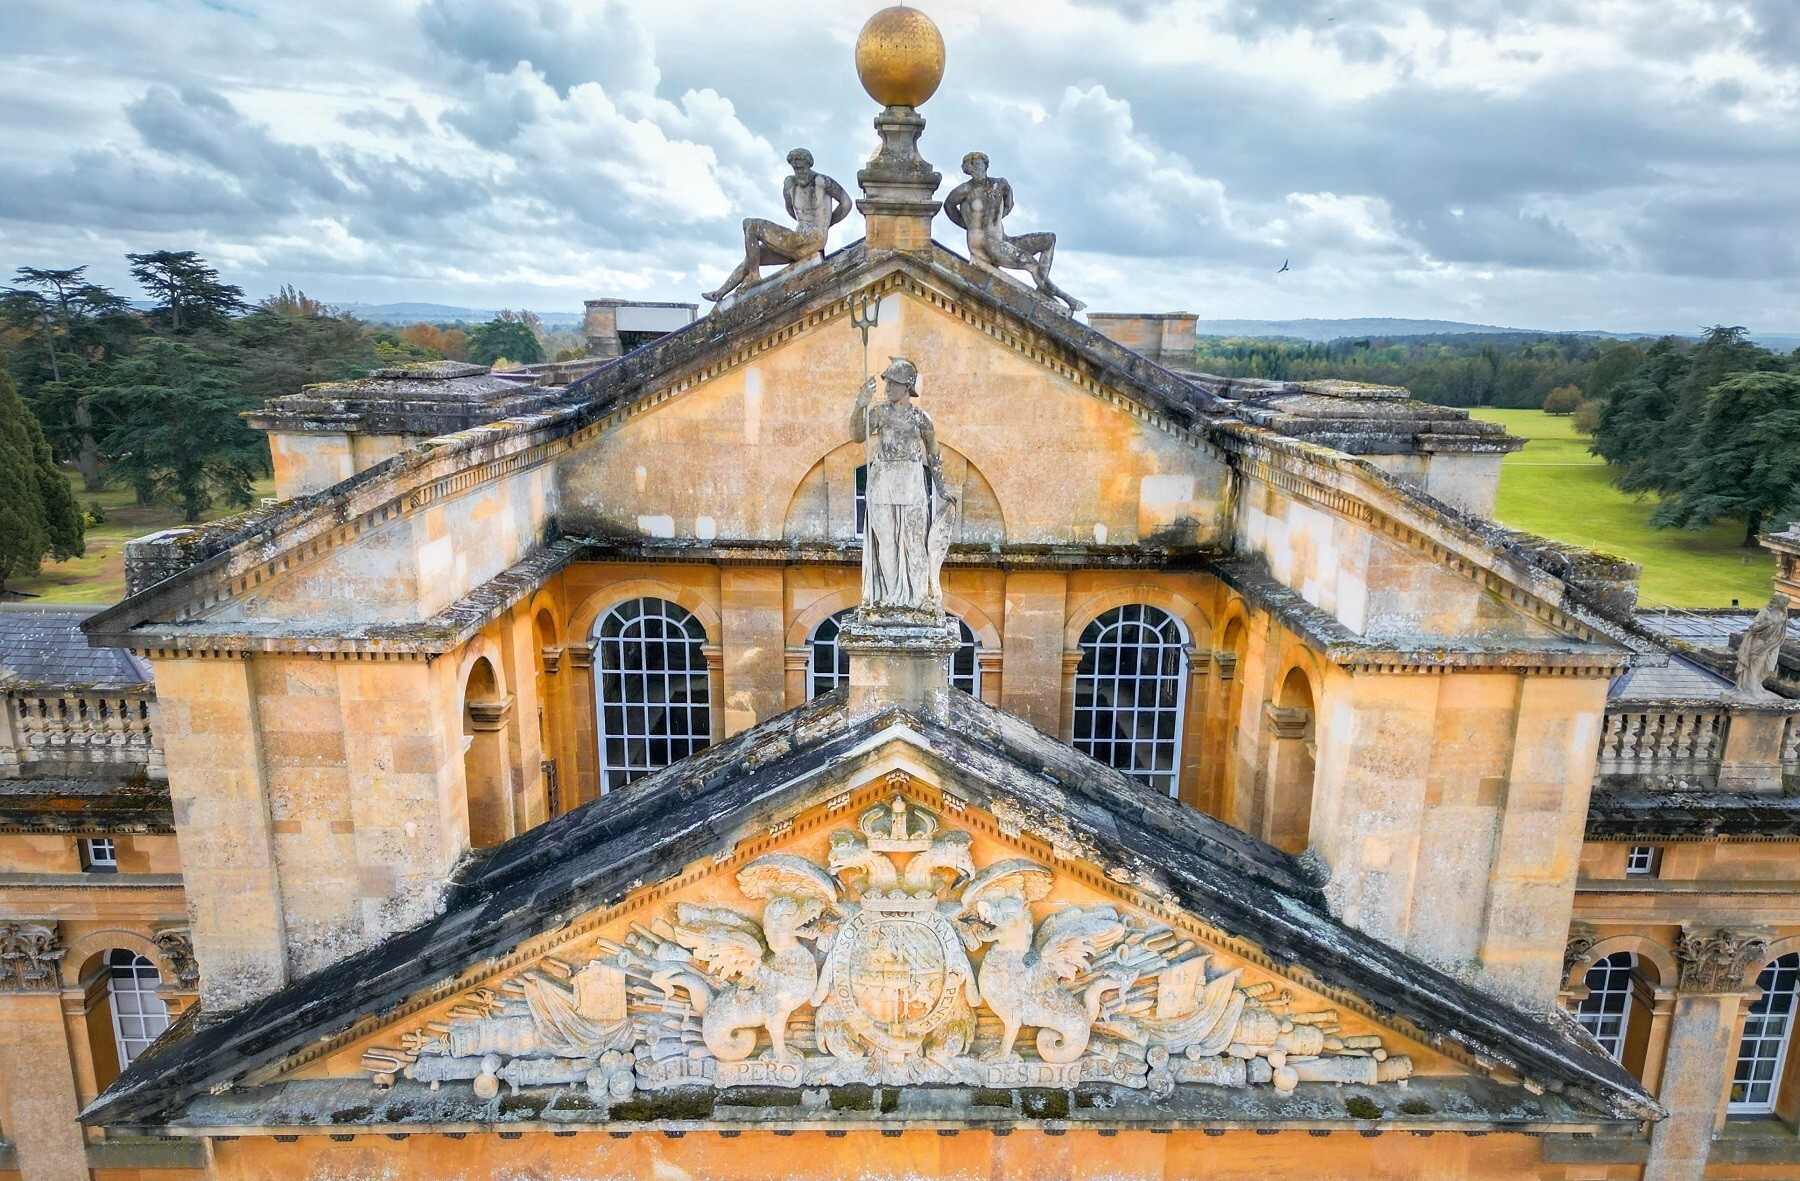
<point x="1622" y="164"/>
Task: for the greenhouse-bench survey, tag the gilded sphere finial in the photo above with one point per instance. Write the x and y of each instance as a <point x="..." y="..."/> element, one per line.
<point x="900" y="57"/>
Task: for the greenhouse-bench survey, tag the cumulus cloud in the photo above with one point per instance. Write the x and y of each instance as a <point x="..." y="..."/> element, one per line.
<point x="1544" y="162"/>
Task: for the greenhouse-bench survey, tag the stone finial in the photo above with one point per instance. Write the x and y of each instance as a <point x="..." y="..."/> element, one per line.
<point x="30" y="955"/>
<point x="900" y="59"/>
<point x="1760" y="650"/>
<point x="1719" y="960"/>
<point x="979" y="205"/>
<point x="177" y="946"/>
<point x="815" y="202"/>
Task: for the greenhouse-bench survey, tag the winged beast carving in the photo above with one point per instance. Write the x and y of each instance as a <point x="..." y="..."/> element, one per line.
<point x="896" y="962"/>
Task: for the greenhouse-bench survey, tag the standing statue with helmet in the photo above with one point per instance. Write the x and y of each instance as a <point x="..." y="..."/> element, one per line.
<point x="908" y="504"/>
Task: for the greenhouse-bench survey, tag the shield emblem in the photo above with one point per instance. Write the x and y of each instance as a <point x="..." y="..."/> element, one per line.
<point x="896" y="972"/>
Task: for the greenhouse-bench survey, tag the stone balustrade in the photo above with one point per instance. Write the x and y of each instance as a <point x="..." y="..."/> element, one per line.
<point x="1674" y="743"/>
<point x="49" y="731"/>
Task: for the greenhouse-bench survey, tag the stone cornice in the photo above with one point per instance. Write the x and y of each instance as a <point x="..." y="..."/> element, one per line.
<point x="1433" y="655"/>
<point x="444" y="632"/>
<point x="1356" y="490"/>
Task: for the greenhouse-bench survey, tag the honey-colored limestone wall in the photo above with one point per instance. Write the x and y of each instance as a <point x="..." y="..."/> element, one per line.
<point x="56" y="853"/>
<point x="726" y="457"/>
<point x="1025" y="1156"/>
<point x="1370" y="584"/>
<point x="413" y="566"/>
<point x="320" y="805"/>
<point x="1449" y="810"/>
<point x="311" y="462"/>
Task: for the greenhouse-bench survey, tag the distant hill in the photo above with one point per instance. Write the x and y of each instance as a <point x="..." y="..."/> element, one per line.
<point x="1392" y="326"/>
<point x="1323" y="330"/>
<point x="439" y="313"/>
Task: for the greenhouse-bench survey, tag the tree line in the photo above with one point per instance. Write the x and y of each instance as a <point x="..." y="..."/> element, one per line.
<point x="1710" y="428"/>
<point x="1507" y="372"/>
<point x="151" y="394"/>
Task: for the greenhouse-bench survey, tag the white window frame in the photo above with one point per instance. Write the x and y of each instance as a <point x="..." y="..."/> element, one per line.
<point x="1087" y="674"/>
<point x="1609" y="978"/>
<point x="820" y="680"/>
<point x="99" y="855"/>
<point x="139" y="1014"/>
<point x="1766" y="1044"/>
<point x="861" y="499"/>
<point x="1641" y="861"/>
<point x="639" y="716"/>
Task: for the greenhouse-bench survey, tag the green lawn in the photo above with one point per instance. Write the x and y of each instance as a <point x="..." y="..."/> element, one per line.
<point x="1555" y="488"/>
<point x="99" y="576"/>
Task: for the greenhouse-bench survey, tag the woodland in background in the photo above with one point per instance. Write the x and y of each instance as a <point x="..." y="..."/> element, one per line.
<point x="1711" y="428"/>
<point x="150" y="394"/>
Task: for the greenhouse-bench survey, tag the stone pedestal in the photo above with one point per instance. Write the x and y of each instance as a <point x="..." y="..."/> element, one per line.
<point x="898" y="658"/>
<point x="899" y="187"/>
<point x="1752" y="758"/>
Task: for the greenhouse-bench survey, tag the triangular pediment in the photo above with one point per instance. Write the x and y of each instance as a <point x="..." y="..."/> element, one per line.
<point x="891" y="894"/>
<point x="738" y="428"/>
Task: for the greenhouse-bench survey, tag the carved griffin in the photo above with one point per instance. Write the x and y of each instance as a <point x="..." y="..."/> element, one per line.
<point x="739" y="975"/>
<point x="1026" y="979"/>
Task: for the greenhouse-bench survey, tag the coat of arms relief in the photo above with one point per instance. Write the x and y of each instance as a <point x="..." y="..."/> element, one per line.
<point x="897" y="962"/>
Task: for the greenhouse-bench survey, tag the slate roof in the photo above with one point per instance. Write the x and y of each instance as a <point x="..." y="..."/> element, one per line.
<point x="596" y="855"/>
<point x="1705" y="629"/>
<point x="1678" y="680"/>
<point x="45" y="646"/>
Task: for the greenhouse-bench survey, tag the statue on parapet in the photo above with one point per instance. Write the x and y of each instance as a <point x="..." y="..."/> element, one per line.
<point x="979" y="205"/>
<point x="907" y="504"/>
<point x="1760" y="650"/>
<point x="815" y="202"/>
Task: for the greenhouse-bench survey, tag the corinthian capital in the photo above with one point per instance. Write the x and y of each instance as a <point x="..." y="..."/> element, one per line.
<point x="1719" y="959"/>
<point x="29" y="955"/>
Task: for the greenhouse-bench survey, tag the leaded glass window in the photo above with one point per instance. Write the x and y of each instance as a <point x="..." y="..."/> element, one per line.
<point x="655" y="696"/>
<point x="138" y="1014"/>
<point x="1607" y="1010"/>
<point x="1768" y="1027"/>
<point x="1130" y="693"/>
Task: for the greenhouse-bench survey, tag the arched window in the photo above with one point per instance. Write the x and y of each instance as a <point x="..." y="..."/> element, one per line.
<point x="138" y="1014"/>
<point x="1130" y="691"/>
<point x="1606" y="1012"/>
<point x="655" y="698"/>
<point x="827" y="667"/>
<point x="1768" y="1027"/>
<point x="862" y="499"/>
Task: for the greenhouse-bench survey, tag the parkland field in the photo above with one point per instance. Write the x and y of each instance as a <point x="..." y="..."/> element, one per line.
<point x="1554" y="487"/>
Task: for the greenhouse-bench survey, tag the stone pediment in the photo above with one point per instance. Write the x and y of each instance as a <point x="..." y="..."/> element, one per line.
<point x="952" y="910"/>
<point x="896" y="939"/>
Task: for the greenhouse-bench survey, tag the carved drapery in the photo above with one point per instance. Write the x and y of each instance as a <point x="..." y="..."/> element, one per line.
<point x="898" y="961"/>
<point x="30" y="956"/>
<point x="1720" y="960"/>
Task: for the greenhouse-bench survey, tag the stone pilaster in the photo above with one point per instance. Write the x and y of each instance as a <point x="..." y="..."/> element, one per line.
<point x="40" y="1097"/>
<point x="1716" y="968"/>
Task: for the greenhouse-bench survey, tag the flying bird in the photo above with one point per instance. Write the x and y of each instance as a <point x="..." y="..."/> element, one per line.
<point x="1284" y="266"/>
